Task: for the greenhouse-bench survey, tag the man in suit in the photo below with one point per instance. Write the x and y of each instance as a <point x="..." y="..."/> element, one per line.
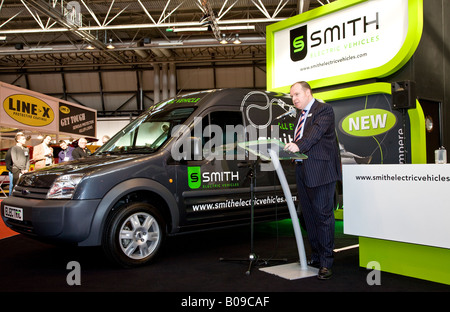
<point x="316" y="176"/>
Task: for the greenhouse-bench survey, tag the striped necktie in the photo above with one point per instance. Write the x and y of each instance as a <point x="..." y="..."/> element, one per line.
<point x="300" y="126"/>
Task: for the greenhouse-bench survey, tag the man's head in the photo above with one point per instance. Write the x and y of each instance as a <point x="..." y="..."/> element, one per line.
<point x="47" y="139"/>
<point x="82" y="142"/>
<point x="63" y="144"/>
<point x="301" y="94"/>
<point x="20" y="138"/>
<point x="105" y="139"/>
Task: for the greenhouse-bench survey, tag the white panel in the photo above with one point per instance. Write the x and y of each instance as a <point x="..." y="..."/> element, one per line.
<point x="110" y="126"/>
<point x="200" y="78"/>
<point x="82" y="82"/>
<point x="406" y="203"/>
<point x="236" y="77"/>
<point x="371" y="35"/>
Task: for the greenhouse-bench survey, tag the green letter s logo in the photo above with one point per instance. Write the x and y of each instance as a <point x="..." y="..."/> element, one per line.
<point x="299" y="43"/>
<point x="194" y="174"/>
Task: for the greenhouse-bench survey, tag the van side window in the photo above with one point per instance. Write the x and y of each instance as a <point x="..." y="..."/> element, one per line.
<point x="222" y="131"/>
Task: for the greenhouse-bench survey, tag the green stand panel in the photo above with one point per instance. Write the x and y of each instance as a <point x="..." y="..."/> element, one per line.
<point x="418" y="261"/>
<point x="339" y="214"/>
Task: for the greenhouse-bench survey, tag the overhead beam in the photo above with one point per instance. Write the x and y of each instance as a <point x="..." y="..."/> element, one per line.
<point x="46" y="9"/>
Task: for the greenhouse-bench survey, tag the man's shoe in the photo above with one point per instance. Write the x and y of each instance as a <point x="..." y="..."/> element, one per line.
<point x="324" y="273"/>
<point x="314" y="264"/>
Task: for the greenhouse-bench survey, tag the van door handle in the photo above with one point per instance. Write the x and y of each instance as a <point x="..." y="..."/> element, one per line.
<point x="243" y="164"/>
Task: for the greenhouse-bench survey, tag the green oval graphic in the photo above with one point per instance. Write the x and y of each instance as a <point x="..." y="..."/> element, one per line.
<point x="368" y="122"/>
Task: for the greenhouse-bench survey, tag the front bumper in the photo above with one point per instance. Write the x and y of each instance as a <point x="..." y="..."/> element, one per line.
<point x="56" y="220"/>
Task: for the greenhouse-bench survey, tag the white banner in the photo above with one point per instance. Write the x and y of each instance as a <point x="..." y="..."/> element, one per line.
<point x="406" y="203"/>
<point x="361" y="37"/>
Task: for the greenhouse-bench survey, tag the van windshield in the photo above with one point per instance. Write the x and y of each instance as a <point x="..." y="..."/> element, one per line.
<point x="147" y="133"/>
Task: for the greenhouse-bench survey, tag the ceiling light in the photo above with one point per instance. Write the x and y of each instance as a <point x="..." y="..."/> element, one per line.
<point x="236" y="39"/>
<point x="90" y="47"/>
<point x="110" y="45"/>
<point x="190" y="29"/>
<point x="41" y="49"/>
<point x="171" y="43"/>
<point x="224" y="40"/>
<point x="203" y="28"/>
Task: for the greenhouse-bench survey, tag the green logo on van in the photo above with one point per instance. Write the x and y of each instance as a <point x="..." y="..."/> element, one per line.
<point x="368" y="122"/>
<point x="194" y="177"/>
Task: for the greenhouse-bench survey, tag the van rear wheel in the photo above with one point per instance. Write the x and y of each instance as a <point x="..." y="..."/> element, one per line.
<point x="134" y="234"/>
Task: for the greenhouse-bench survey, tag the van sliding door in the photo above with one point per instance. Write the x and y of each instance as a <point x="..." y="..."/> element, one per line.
<point x="216" y="189"/>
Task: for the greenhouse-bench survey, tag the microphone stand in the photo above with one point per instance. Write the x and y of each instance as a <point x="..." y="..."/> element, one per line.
<point x="252" y="257"/>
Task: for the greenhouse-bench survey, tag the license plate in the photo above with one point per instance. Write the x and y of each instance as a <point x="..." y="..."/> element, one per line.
<point x="13" y="213"/>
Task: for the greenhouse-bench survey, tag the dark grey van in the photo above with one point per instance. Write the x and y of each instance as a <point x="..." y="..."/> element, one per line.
<point x="177" y="168"/>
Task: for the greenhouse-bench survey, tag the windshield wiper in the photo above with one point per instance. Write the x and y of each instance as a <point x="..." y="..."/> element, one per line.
<point x="138" y="150"/>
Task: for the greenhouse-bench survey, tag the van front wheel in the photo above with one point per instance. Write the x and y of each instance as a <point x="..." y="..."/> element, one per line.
<point x="134" y="234"/>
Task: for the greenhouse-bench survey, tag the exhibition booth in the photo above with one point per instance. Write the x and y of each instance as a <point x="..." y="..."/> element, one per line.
<point x="371" y="60"/>
<point x="37" y="114"/>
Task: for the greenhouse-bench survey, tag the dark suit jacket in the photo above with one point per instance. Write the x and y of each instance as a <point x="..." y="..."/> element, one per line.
<point x="319" y="143"/>
<point x="78" y="152"/>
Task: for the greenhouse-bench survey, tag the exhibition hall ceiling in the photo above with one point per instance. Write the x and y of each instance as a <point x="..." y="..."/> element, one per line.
<point x="41" y="35"/>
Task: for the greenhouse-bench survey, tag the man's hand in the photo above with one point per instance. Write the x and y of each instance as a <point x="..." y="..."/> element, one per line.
<point x="291" y="147"/>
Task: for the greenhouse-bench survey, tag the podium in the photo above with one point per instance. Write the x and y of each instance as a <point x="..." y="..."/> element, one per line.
<point x="273" y="150"/>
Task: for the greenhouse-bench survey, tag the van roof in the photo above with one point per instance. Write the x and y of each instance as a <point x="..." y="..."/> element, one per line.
<point x="228" y="97"/>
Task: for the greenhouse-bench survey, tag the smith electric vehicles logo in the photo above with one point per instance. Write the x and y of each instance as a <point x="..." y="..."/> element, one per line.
<point x="197" y="179"/>
<point x="194" y="175"/>
<point x="299" y="41"/>
<point x="354" y="29"/>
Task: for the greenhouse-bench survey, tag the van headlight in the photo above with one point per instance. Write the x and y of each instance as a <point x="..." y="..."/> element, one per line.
<point x="64" y="186"/>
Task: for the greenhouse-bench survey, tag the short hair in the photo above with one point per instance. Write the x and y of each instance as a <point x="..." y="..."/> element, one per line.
<point x="18" y="134"/>
<point x="304" y="85"/>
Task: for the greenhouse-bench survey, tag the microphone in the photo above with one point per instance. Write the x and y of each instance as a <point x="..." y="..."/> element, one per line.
<point x="291" y="112"/>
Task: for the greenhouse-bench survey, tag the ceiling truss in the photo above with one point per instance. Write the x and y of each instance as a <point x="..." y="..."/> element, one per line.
<point x="57" y="34"/>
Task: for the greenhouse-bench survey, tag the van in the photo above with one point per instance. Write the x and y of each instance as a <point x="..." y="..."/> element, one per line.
<point x="177" y="168"/>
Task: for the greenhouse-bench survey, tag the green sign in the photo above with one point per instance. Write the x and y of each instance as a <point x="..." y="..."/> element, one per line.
<point x="194" y="177"/>
<point x="343" y="41"/>
<point x="368" y="122"/>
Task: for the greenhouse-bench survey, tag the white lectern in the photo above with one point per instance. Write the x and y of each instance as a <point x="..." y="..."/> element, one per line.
<point x="274" y="150"/>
